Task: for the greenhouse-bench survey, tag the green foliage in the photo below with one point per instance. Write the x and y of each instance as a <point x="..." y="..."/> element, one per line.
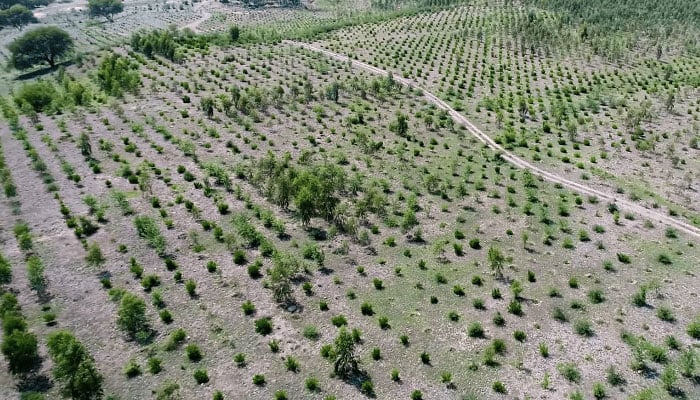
<point x="496" y="261"/>
<point x="263" y="326"/>
<point x="21" y="351"/>
<point x="201" y="376"/>
<point x="345" y="364"/>
<point x="154" y="365"/>
<point x="35" y="274"/>
<point x="94" y="256"/>
<point x="5" y="272"/>
<point x="259" y="380"/>
<point x="16" y="16"/>
<point x="248" y="307"/>
<point x="162" y="43"/>
<point x="583" y="328"/>
<point x="38" y="96"/>
<point x="132" y="315"/>
<point x="132" y="369"/>
<point x="475" y="330"/>
<point x="116" y="75"/>
<point x="694" y="328"/>
<point x="570" y="371"/>
<point x="74" y="368"/>
<point x="193" y="352"/>
<point x="499" y="387"/>
<point x="46" y="44"/>
<point x="148" y="229"/>
<point x="105" y="8"/>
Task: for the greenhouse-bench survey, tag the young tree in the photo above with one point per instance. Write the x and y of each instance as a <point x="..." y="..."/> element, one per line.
<point x="85" y="146"/>
<point x="234" y="33"/>
<point x="105" y="8"/>
<point x="345" y="360"/>
<point x="333" y="92"/>
<point x="400" y="125"/>
<point x="496" y="261"/>
<point x="5" y="271"/>
<point x="132" y="315"/>
<point x="17" y="17"/>
<point x="74" y="368"/>
<point x="21" y="351"/>
<point x="46" y="44"/>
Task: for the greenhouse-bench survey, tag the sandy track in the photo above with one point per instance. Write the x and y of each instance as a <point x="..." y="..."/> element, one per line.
<point x="650" y="214"/>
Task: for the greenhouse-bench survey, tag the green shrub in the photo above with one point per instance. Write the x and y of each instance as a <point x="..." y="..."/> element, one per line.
<point x="193" y="352"/>
<point x="475" y="330"/>
<point x="694" y="329"/>
<point x="37" y="96"/>
<point x="310" y="332"/>
<point x="665" y="314"/>
<point x="570" y="371"/>
<point x="583" y="328"/>
<point x="154" y="365"/>
<point x="248" y="307"/>
<point x="499" y="387"/>
<point x="312" y="384"/>
<point x="259" y="380"/>
<point x="117" y="75"/>
<point x="201" y="376"/>
<point x="339" y="320"/>
<point x="291" y="363"/>
<point x="132" y="369"/>
<point x="596" y="296"/>
<point x="515" y="308"/>
<point x="263" y="326"/>
<point x="383" y="322"/>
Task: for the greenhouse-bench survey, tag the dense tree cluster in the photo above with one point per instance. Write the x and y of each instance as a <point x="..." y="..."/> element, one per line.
<point x="161" y="43"/>
<point x="611" y="26"/>
<point x="117" y="75"/>
<point x="313" y="189"/>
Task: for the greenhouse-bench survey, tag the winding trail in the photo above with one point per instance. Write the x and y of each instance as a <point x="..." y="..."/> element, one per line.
<point x="508" y="156"/>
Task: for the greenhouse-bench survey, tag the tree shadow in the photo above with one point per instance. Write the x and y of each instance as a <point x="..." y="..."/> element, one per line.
<point x="43" y="71"/>
<point x="318" y="234"/>
<point x="34" y="383"/>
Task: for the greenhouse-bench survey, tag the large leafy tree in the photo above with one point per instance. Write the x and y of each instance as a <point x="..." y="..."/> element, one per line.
<point x="74" y="368"/>
<point x="16" y="16"/>
<point x="46" y="44"/>
<point x="105" y="8"/>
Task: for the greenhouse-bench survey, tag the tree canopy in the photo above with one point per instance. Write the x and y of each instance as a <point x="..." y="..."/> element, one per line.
<point x="46" y="44"/>
<point x="17" y="17"/>
<point x="21" y="350"/>
<point x="5" y="4"/>
<point x="74" y="368"/>
<point x="105" y="8"/>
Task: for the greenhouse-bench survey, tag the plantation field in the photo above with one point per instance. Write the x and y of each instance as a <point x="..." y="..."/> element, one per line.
<point x="267" y="219"/>
<point x="629" y="126"/>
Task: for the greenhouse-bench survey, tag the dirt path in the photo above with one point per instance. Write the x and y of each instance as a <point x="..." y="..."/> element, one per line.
<point x="205" y="15"/>
<point x="510" y="157"/>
